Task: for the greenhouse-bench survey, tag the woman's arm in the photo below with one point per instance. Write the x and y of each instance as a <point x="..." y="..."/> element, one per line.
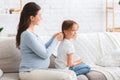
<point x="70" y="62"/>
<point x="49" y="42"/>
<point x="58" y="36"/>
<point x="37" y="47"/>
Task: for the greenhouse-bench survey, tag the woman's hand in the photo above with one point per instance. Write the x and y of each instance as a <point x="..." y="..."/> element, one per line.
<point x="59" y="36"/>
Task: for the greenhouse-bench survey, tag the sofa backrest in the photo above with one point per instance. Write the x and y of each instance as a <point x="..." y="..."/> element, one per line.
<point x="87" y="47"/>
<point x="9" y="55"/>
<point x="91" y="47"/>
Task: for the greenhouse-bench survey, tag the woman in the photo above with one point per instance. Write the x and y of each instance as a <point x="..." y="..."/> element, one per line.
<point x="36" y="55"/>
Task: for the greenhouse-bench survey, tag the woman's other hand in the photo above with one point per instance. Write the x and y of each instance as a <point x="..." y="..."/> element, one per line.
<point x="59" y="36"/>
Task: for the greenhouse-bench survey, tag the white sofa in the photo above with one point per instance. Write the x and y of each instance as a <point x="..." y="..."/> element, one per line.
<point x="101" y="51"/>
<point x="91" y="47"/>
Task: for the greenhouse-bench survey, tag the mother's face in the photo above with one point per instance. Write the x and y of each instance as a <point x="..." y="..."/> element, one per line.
<point x="36" y="19"/>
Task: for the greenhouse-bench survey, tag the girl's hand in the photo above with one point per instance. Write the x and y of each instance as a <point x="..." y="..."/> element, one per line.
<point x="79" y="61"/>
<point x="59" y="36"/>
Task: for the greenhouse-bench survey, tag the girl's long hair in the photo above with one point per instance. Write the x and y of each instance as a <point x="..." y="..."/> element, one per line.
<point x="30" y="9"/>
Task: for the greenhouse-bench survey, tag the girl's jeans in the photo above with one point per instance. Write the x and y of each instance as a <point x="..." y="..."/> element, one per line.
<point x="80" y="69"/>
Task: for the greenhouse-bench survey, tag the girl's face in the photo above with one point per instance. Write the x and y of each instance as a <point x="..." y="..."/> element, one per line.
<point x="72" y="32"/>
<point x="35" y="20"/>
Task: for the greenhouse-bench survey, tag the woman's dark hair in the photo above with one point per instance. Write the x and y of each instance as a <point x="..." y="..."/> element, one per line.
<point x="30" y="9"/>
<point x="67" y="24"/>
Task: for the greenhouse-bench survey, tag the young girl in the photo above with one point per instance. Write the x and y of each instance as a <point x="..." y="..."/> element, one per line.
<point x="66" y="50"/>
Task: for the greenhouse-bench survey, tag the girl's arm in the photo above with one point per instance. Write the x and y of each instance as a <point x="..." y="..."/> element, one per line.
<point x="78" y="62"/>
<point x="70" y="62"/>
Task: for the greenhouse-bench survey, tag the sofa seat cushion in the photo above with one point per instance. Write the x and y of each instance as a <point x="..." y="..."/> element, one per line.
<point x="1" y="73"/>
<point x="95" y="75"/>
<point x="82" y="77"/>
<point x="52" y="63"/>
<point x="9" y="55"/>
<point x="10" y="76"/>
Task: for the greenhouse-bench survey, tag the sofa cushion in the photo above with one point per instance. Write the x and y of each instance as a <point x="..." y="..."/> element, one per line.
<point x="108" y="61"/>
<point x="82" y="77"/>
<point x="52" y="63"/>
<point x="10" y="76"/>
<point x="116" y="54"/>
<point x="9" y="55"/>
<point x="95" y="75"/>
<point x="1" y="73"/>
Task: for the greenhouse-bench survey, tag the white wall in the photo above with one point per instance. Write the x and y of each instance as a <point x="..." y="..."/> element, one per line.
<point x="89" y="14"/>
